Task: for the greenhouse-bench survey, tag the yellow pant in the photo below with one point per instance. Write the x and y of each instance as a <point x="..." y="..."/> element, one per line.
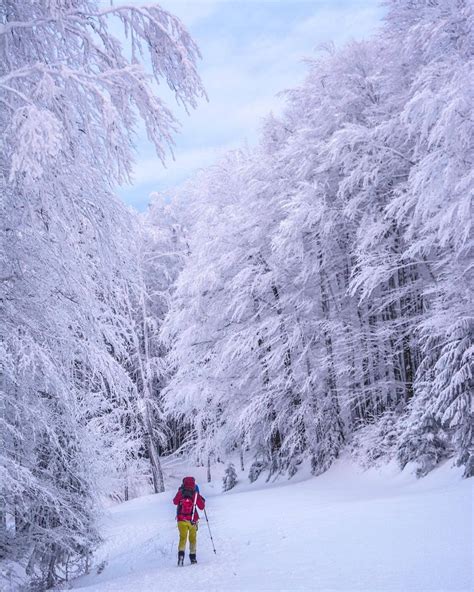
<point x="185" y="527"/>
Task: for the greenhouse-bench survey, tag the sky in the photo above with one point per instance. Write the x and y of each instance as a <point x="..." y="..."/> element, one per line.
<point x="251" y="51"/>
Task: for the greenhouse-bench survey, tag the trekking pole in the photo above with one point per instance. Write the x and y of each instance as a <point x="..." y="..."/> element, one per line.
<point x="194" y="507"/>
<point x="210" y="534"/>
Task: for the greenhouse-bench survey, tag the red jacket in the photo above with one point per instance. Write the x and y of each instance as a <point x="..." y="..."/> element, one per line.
<point x="200" y="503"/>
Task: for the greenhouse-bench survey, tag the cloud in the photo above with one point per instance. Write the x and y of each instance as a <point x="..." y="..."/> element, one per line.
<point x="251" y="51"/>
<point x="191" y="12"/>
<point x="151" y="170"/>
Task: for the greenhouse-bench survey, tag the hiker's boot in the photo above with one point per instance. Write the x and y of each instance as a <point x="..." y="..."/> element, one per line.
<point x="180" y="557"/>
<point x="192" y="557"/>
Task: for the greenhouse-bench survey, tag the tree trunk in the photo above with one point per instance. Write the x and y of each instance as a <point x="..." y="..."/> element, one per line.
<point x="157" y="472"/>
<point x="209" y="479"/>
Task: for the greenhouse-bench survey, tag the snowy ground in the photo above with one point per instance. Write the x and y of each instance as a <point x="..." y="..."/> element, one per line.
<point x="345" y="530"/>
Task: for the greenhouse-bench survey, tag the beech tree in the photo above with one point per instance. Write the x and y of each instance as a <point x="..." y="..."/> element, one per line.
<point x="71" y="97"/>
<point x="325" y="298"/>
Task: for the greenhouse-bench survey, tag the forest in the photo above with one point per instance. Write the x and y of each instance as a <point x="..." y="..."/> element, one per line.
<point x="303" y="297"/>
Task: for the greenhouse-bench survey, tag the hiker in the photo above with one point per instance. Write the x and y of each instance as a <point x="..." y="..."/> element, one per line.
<point x="188" y="499"/>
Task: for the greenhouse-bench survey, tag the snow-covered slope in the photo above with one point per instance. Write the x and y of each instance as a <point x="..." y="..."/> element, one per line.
<point x="344" y="530"/>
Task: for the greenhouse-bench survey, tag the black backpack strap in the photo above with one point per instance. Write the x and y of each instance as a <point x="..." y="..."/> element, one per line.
<point x="178" y="507"/>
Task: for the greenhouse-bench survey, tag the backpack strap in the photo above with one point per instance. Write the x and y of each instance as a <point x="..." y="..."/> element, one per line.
<point x="178" y="507"/>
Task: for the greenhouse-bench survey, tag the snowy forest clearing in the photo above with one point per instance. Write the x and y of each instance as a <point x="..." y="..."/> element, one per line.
<point x="343" y="530"/>
<point x="304" y="300"/>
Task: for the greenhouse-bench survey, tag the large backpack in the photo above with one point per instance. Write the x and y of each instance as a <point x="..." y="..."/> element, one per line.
<point x="185" y="506"/>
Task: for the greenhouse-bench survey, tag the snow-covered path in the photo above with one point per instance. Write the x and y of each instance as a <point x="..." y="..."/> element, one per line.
<point x="344" y="530"/>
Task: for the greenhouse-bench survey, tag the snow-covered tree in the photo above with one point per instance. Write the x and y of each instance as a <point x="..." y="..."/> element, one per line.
<point x="326" y="289"/>
<point x="229" y="481"/>
<point x="71" y="96"/>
